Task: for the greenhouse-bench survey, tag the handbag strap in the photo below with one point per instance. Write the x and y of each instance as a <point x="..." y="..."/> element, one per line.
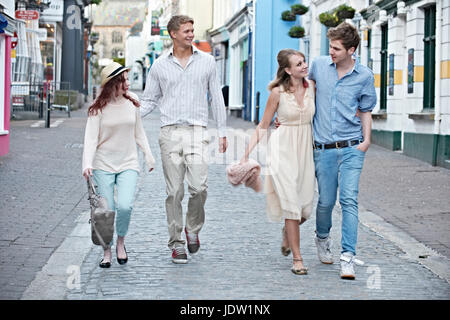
<point x="91" y="186"/>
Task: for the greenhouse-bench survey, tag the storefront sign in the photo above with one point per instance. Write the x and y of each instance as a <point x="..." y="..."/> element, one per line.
<point x="54" y="12"/>
<point x="17" y="100"/>
<point x="27" y="14"/>
<point x="164" y="34"/>
<point x="155" y="23"/>
<point x="14" y="40"/>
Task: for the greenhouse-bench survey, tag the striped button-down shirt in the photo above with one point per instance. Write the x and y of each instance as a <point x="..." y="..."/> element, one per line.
<point x="183" y="94"/>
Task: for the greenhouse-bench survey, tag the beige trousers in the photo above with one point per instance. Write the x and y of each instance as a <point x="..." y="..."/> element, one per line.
<point x="184" y="154"/>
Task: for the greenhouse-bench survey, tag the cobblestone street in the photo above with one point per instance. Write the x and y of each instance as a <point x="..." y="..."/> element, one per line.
<point x="240" y="254"/>
<point x="49" y="254"/>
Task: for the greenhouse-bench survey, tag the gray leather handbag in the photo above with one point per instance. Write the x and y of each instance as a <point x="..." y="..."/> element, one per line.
<point x="102" y="218"/>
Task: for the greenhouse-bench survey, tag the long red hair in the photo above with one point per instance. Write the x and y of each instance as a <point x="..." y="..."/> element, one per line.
<point x="109" y="91"/>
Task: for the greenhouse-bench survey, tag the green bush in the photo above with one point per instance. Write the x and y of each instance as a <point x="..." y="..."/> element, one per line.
<point x="120" y="60"/>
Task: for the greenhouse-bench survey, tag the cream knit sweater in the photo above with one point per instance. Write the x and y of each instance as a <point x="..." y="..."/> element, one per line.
<point x="111" y="136"/>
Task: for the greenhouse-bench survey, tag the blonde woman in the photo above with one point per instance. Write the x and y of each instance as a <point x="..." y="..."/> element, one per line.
<point x="289" y="186"/>
<point x="113" y="129"/>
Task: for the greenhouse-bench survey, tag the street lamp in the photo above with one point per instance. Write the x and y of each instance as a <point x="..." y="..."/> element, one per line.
<point x="89" y="53"/>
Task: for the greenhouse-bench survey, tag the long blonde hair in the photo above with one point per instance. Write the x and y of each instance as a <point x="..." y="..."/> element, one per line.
<point x="283" y="78"/>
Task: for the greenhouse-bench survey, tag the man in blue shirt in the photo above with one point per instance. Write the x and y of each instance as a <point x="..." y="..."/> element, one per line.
<point x="345" y="97"/>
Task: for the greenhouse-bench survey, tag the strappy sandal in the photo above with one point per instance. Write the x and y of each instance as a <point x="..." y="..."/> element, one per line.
<point x="285" y="251"/>
<point x="300" y="271"/>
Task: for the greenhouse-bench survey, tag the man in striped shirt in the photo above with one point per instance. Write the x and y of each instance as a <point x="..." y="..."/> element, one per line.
<point x="180" y="83"/>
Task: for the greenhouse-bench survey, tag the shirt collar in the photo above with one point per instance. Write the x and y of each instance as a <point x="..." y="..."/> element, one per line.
<point x="194" y="50"/>
<point x="356" y="67"/>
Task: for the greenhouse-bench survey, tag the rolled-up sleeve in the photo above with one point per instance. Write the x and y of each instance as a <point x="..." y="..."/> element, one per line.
<point x="217" y="103"/>
<point x="368" y="98"/>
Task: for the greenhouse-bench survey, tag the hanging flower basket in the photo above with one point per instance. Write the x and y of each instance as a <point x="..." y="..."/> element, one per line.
<point x="345" y="12"/>
<point x="299" y="9"/>
<point x="94" y="37"/>
<point x="297" y="32"/>
<point x="330" y="20"/>
<point x="287" y="16"/>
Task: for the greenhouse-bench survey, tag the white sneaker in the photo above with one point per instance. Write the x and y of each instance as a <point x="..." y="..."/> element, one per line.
<point x="347" y="262"/>
<point x="323" y="250"/>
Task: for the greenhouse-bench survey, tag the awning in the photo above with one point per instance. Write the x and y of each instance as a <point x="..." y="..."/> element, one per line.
<point x="3" y="23"/>
<point x="203" y="46"/>
<point x="7" y="24"/>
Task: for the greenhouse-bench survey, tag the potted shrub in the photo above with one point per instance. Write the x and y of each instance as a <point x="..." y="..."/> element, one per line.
<point x="329" y="19"/>
<point x="297" y="32"/>
<point x="287" y="16"/>
<point x="345" y="12"/>
<point x="299" y="9"/>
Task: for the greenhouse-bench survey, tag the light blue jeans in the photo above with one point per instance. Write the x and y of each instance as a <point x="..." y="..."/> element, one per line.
<point x="338" y="167"/>
<point x="125" y="183"/>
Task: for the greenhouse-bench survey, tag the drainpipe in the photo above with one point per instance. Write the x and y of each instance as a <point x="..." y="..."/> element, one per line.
<point x="437" y="99"/>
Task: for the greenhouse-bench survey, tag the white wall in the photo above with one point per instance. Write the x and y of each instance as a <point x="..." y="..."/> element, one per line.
<point x="407" y="33"/>
<point x="202" y="13"/>
<point x="222" y="11"/>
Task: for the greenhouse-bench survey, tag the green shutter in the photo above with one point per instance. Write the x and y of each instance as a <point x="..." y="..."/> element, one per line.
<point x="429" y="57"/>
<point x="383" y="71"/>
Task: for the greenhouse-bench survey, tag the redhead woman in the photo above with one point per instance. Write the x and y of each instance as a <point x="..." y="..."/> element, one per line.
<point x="289" y="185"/>
<point x="113" y="130"/>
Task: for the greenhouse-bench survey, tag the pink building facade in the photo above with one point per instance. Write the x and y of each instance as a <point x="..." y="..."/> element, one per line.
<point x="5" y="86"/>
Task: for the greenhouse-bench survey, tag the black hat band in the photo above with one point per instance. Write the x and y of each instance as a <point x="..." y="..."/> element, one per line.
<point x="115" y="72"/>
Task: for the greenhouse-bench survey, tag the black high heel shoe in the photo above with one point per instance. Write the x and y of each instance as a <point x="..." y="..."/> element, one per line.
<point x="122" y="261"/>
<point x="104" y="264"/>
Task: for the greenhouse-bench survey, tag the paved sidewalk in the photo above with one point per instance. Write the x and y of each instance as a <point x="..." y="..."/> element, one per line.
<point x="240" y="254"/>
<point x="41" y="195"/>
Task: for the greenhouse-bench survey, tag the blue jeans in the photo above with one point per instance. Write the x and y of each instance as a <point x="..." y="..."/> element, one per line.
<point x="338" y="167"/>
<point x="125" y="183"/>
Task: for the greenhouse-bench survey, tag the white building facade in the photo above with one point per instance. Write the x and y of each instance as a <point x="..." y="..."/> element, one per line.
<point x="408" y="45"/>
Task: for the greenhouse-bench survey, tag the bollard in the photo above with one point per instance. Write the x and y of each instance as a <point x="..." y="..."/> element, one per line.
<point x="47" y="120"/>
<point x="41" y="102"/>
<point x="257" y="108"/>
<point x="94" y="92"/>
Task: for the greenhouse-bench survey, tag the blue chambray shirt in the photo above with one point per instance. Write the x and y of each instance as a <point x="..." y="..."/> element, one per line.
<point x="338" y="100"/>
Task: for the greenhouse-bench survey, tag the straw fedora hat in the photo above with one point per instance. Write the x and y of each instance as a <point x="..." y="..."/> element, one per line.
<point x="110" y="71"/>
